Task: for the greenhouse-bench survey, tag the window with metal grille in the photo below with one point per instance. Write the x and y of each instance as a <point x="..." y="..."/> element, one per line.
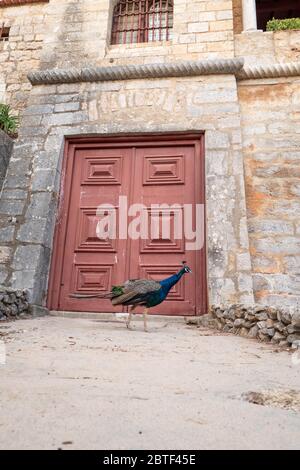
<point x="142" y="21"/>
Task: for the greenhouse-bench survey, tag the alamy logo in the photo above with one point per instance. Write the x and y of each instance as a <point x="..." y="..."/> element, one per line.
<point x="2" y="353"/>
<point x="159" y="221"/>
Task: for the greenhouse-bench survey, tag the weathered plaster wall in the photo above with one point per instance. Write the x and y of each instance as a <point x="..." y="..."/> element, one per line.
<point x="6" y="145"/>
<point x="271" y="142"/>
<point x="200" y="103"/>
<point x="22" y="52"/>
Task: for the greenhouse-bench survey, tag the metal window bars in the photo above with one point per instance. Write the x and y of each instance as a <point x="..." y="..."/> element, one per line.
<point x="136" y="21"/>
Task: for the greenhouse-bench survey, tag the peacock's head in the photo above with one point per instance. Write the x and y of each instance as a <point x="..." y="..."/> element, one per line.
<point x="186" y="267"/>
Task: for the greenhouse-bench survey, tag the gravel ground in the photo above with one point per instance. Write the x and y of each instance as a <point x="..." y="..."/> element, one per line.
<point x="91" y="384"/>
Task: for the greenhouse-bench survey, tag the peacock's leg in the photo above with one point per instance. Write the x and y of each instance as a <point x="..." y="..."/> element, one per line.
<point x="145" y="319"/>
<point x="129" y="318"/>
<point x="128" y="321"/>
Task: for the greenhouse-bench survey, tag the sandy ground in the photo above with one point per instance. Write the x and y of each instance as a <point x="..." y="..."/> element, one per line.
<point x="83" y="383"/>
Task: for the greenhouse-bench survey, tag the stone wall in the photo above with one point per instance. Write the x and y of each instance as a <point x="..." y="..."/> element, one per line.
<point x="268" y="47"/>
<point x="80" y="31"/>
<point x="271" y="141"/>
<point x="22" y="52"/>
<point x="204" y="103"/>
<point x="237" y="16"/>
<point x="62" y="33"/>
<point x="13" y="303"/>
<point x="277" y="325"/>
<point x="6" y="145"/>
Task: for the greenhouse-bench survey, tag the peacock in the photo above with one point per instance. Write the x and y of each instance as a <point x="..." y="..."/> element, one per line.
<point x="145" y="292"/>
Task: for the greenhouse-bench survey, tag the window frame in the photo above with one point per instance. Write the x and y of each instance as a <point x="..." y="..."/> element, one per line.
<point x="127" y="34"/>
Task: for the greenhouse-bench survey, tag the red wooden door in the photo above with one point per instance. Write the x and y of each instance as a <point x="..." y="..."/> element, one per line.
<point x="160" y="171"/>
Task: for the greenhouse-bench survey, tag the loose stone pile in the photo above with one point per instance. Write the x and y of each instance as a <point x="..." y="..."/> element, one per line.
<point x="269" y="324"/>
<point x="13" y="303"/>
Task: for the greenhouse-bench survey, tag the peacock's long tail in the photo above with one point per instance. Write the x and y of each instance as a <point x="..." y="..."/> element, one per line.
<point x="105" y="295"/>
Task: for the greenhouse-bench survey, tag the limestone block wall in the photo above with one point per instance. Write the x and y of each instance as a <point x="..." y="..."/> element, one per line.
<point x="22" y="52"/>
<point x="204" y="103"/>
<point x="75" y="33"/>
<point x="271" y="144"/>
<point x="80" y="32"/>
<point x="268" y="47"/>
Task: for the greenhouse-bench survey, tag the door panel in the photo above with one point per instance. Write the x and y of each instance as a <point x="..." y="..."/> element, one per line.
<point x="91" y="264"/>
<point x="165" y="175"/>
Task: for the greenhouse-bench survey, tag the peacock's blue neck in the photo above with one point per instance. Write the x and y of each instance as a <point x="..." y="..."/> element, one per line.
<point x="168" y="283"/>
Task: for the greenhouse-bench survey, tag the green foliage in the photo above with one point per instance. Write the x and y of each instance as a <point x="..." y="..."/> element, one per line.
<point x="117" y="290"/>
<point x="8" y="122"/>
<point x="287" y="23"/>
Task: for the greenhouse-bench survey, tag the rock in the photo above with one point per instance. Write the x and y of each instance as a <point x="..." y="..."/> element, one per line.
<point x="270" y="323"/>
<point x="296" y="344"/>
<point x="229" y="314"/>
<point x="278" y="326"/>
<point x="272" y="313"/>
<point x="219" y="313"/>
<point x="244" y="332"/>
<point x="250" y="317"/>
<point x="13" y="303"/>
<point x="278" y="337"/>
<point x="14" y="311"/>
<point x="258" y="309"/>
<point x="261" y="316"/>
<point x="270" y="332"/>
<point x="239" y="312"/>
<point x="226" y="328"/>
<point x="291" y="338"/>
<point x="238" y="322"/>
<point x="285" y="317"/>
<point x="262" y="324"/>
<point x="208" y="321"/>
<point x="253" y="331"/>
<point x="290" y="329"/>
<point x="12" y="298"/>
<point x="263" y="337"/>
<point x="296" y="319"/>
<point x="283" y="343"/>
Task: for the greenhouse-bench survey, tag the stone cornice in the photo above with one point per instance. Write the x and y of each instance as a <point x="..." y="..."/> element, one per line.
<point x="129" y="72"/>
<point x="269" y="71"/>
<point x="14" y="3"/>
<point x="177" y="69"/>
